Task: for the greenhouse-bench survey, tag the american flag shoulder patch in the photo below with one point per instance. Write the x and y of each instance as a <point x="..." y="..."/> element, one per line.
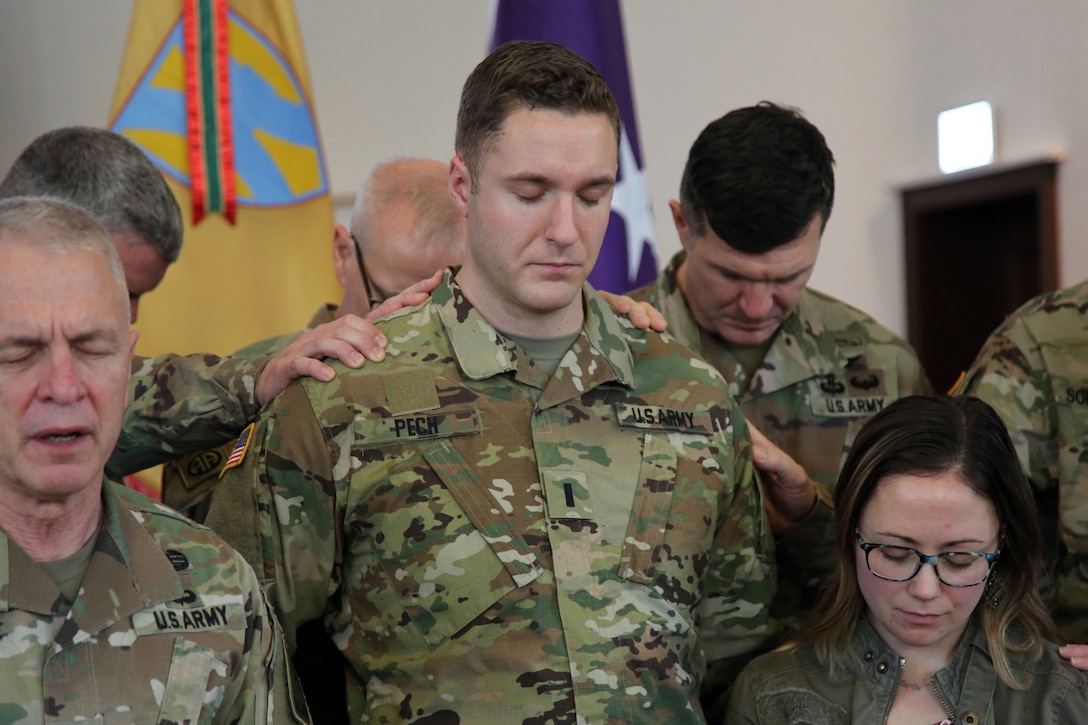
<point x="238" y="453"/>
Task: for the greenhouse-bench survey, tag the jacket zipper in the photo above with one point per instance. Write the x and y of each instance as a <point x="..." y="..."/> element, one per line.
<point x="932" y="683"/>
<point x="895" y="689"/>
<point x="944" y="703"/>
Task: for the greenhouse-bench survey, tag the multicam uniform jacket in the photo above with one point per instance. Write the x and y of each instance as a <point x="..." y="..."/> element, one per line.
<point x="1033" y="370"/>
<point x="181" y="404"/>
<point x="829" y="369"/>
<point x="491" y="545"/>
<point x="188" y="481"/>
<point x="170" y="626"/>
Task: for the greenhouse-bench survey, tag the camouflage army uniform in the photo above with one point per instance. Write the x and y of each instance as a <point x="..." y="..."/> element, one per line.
<point x="1034" y="371"/>
<point x="170" y="626"/>
<point x="188" y="481"/>
<point x="181" y="404"/>
<point x="491" y="545"/>
<point x="828" y="370"/>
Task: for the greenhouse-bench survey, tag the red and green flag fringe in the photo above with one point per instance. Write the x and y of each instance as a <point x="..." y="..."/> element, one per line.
<point x="207" y="108"/>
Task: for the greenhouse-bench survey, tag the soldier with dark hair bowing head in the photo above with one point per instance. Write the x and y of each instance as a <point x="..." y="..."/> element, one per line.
<point x="529" y="511"/>
<point x="808" y="370"/>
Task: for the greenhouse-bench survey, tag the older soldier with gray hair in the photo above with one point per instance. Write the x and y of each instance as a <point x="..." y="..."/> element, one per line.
<point x="209" y="399"/>
<point x="112" y="608"/>
<point x="110" y="177"/>
<point x="529" y="511"/>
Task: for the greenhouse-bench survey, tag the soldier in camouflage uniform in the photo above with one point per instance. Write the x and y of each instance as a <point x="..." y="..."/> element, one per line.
<point x="530" y="511"/>
<point x="1033" y="370"/>
<point x="170" y="625"/>
<point x="113" y="609"/>
<point x="188" y="481"/>
<point x="807" y="369"/>
<point x="405" y="227"/>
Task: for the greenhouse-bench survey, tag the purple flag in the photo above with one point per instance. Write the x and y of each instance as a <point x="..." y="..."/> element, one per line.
<point x="594" y="30"/>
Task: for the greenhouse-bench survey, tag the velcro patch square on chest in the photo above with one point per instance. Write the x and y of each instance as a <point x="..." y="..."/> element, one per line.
<point x="410" y="391"/>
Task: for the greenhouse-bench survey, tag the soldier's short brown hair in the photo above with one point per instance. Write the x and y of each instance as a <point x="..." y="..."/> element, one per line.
<point x="532" y="75"/>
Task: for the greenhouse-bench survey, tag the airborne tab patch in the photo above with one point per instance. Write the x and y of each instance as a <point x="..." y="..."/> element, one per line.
<point x="657" y="417"/>
<point x="197" y="468"/>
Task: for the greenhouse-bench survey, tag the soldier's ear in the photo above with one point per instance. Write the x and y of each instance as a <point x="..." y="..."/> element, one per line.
<point x="460" y="185"/>
<point x="683" y="229"/>
<point x="343" y="255"/>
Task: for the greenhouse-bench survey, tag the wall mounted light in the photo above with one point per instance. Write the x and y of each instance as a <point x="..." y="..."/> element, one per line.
<point x="965" y="137"/>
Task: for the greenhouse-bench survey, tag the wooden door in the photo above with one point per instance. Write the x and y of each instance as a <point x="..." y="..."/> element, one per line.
<point x="978" y="245"/>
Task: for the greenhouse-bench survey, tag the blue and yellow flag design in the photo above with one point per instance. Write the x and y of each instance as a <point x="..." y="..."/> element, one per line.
<point x="217" y="93"/>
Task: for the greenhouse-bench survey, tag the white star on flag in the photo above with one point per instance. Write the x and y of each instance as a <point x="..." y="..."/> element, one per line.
<point x="631" y="200"/>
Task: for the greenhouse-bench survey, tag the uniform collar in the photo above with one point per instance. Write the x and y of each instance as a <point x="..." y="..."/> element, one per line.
<point x="670" y="302"/>
<point x="800" y="349"/>
<point x="127" y="572"/>
<point x="25" y="585"/>
<point x="482" y="352"/>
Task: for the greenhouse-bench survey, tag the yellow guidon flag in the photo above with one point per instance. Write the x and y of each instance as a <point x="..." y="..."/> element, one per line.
<point x="218" y="96"/>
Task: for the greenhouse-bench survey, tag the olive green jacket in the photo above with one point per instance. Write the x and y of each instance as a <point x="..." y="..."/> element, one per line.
<point x="792" y="686"/>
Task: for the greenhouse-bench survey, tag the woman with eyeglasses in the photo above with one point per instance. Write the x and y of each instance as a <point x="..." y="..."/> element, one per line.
<point x="933" y="615"/>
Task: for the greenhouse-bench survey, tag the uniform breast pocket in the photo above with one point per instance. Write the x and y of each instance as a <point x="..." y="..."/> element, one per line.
<point x="673" y="515"/>
<point x="439" y="548"/>
<point x="160" y="679"/>
<point x="195" y="685"/>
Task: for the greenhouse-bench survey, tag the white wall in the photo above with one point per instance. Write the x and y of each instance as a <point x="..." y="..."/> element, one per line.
<point x="1029" y="60"/>
<point x="871" y="75"/>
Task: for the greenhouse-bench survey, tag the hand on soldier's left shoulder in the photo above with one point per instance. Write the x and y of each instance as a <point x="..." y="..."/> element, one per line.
<point x="417" y="294"/>
<point x="641" y="314"/>
<point x="350" y="339"/>
<point x="789" y="493"/>
<point x="1077" y="654"/>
